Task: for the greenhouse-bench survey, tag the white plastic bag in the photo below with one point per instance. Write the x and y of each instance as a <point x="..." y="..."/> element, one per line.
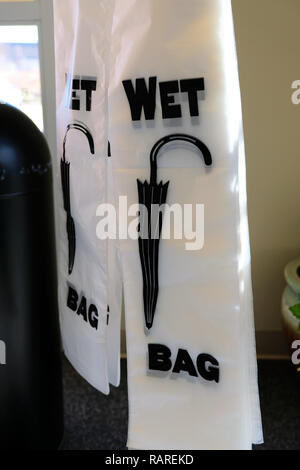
<point x="173" y="115"/>
<point x="89" y="308"/>
<point x="191" y="356"/>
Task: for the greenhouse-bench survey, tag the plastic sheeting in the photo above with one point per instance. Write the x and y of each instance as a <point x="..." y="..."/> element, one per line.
<point x="168" y="100"/>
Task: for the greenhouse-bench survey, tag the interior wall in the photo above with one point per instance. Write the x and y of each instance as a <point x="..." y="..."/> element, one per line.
<point x="268" y="37"/>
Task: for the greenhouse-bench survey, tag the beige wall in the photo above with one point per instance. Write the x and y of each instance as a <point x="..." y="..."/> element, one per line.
<point x="268" y="42"/>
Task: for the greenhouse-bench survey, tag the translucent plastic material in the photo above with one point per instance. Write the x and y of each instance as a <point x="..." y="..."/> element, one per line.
<point x="173" y="119"/>
<point x="205" y="299"/>
<point x="89" y="309"/>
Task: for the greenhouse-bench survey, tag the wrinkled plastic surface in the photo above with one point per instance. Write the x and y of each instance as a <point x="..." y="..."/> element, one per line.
<point x="205" y="297"/>
<point x="82" y="34"/>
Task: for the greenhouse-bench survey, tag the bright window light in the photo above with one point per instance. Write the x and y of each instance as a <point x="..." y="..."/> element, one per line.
<point x="20" y="82"/>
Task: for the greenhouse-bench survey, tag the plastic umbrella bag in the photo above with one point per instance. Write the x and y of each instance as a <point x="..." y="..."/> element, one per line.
<point x="89" y="308"/>
<point x="189" y="318"/>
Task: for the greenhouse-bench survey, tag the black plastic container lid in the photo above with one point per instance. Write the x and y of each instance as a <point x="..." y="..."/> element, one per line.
<point x="25" y="161"/>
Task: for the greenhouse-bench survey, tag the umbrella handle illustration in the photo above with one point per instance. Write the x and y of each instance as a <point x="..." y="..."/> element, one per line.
<point x="65" y="179"/>
<point x="171" y="138"/>
<point x="156" y="194"/>
<point x="82" y="128"/>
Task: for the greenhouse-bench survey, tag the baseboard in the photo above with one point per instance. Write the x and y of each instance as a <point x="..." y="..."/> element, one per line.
<point x="269" y="345"/>
<point x="272" y="344"/>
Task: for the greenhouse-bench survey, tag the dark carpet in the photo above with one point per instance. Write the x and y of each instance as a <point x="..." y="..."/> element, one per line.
<point x="94" y="421"/>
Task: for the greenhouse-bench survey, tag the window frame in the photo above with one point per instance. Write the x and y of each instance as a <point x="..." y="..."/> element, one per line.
<point x="40" y="13"/>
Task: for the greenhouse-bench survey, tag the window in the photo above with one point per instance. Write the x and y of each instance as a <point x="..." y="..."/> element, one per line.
<point x="20" y="81"/>
<point x="27" y="71"/>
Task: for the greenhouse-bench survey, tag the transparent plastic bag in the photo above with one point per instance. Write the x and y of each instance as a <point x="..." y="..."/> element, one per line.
<point x="191" y="353"/>
<point x="88" y="312"/>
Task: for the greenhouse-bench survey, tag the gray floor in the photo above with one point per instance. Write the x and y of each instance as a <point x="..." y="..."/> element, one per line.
<point x="94" y="421"/>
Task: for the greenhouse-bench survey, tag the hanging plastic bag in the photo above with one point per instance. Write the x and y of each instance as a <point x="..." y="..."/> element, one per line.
<point x="89" y="316"/>
<point x="176" y="136"/>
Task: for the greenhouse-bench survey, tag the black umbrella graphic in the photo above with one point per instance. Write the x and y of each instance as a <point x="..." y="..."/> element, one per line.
<point x="65" y="181"/>
<point x="152" y="196"/>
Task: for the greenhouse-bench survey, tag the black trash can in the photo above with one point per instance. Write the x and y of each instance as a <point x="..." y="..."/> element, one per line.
<point x="31" y="405"/>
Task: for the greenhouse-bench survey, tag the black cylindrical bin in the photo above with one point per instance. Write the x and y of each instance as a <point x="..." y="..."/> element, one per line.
<point x="31" y="410"/>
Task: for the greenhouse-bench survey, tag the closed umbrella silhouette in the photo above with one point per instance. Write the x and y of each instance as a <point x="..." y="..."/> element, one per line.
<point x="152" y="196"/>
<point x="65" y="181"/>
